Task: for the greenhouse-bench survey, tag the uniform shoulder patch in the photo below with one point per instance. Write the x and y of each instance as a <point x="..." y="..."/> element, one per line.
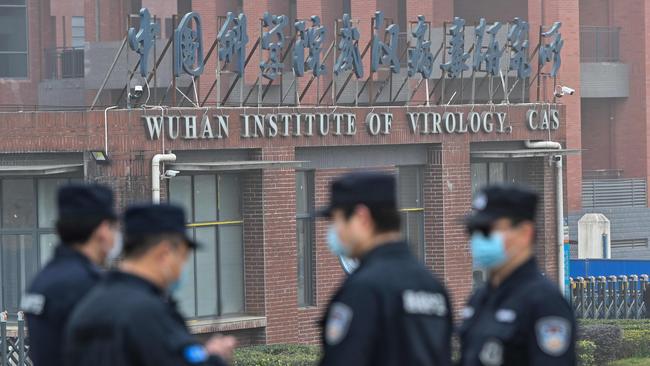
<point x="33" y="303"/>
<point x="338" y="323"/>
<point x="553" y="335"/>
<point x="194" y="354"/>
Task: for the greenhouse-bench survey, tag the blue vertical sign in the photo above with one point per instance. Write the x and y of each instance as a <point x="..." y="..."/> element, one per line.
<point x="567" y="270"/>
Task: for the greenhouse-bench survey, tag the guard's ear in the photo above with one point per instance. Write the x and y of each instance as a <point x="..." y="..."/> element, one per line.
<point x="528" y="231"/>
<point x="362" y="212"/>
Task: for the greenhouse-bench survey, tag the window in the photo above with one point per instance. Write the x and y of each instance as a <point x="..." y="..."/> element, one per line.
<point x="78" y="32"/>
<point x="409" y="187"/>
<point x="213" y="282"/>
<point x="13" y="39"/>
<point x="304" y="236"/>
<point x="27" y="235"/>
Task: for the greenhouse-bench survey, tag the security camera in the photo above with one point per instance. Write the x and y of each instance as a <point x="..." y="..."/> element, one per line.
<point x="561" y="91"/>
<point x="567" y="90"/>
<point x="137" y="92"/>
<point x="170" y="174"/>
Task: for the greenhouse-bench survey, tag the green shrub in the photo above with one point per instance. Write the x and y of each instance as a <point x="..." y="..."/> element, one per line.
<point x="607" y="338"/>
<point x="635" y="341"/>
<point x="277" y="355"/>
<point x="586" y="351"/>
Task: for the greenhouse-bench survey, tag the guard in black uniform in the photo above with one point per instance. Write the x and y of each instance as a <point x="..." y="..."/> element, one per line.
<point x="129" y="319"/>
<point x="86" y="226"/>
<point x="391" y="310"/>
<point x="519" y="317"/>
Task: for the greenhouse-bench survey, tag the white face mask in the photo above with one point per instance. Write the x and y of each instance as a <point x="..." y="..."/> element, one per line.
<point x="115" y="252"/>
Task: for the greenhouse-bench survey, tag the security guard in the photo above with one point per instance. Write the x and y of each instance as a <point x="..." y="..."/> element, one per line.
<point x="129" y="318"/>
<point x="519" y="317"/>
<point x="86" y="226"/>
<point x="390" y="310"/>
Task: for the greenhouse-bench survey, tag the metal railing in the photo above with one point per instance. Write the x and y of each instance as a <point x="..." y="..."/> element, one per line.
<point x="14" y="344"/>
<point x="599" y="44"/>
<point x="64" y="63"/>
<point x="622" y="297"/>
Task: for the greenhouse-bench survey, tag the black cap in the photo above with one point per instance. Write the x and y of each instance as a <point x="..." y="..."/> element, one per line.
<point x="501" y="201"/>
<point x="86" y="200"/>
<point x="370" y="188"/>
<point x="152" y="219"/>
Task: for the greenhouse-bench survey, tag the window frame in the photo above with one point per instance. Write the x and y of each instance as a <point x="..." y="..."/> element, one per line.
<point x="308" y="258"/>
<point x="408" y="212"/>
<point x="36" y="232"/>
<point x="72" y="29"/>
<point x="27" y="75"/>
<point x="192" y="225"/>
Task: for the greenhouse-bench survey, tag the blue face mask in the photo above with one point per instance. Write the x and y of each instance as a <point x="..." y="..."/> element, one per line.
<point x="334" y="243"/>
<point x="176" y="285"/>
<point x="488" y="252"/>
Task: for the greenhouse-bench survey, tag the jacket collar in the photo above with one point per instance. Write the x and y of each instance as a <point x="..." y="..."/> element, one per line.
<point x="63" y="252"/>
<point x="389" y="249"/>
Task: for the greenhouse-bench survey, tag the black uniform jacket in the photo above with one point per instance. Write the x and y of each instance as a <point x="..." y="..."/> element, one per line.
<point x="390" y="311"/>
<point x="523" y="321"/>
<point x="52" y="296"/>
<point x="126" y="321"/>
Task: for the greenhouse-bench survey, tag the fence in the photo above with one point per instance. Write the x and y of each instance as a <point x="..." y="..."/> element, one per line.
<point x="14" y="345"/>
<point x="622" y="297"/>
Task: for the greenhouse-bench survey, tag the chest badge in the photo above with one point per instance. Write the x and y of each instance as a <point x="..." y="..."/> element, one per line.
<point x="338" y="323"/>
<point x="505" y="315"/>
<point x="491" y="353"/>
<point x="553" y="335"/>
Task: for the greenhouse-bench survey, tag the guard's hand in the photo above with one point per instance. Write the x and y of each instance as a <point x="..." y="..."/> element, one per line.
<point x="222" y="346"/>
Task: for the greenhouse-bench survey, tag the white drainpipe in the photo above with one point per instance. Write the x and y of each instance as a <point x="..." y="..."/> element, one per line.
<point x="542" y="144"/>
<point x="559" y="204"/>
<point x="155" y="174"/>
<point x="106" y="129"/>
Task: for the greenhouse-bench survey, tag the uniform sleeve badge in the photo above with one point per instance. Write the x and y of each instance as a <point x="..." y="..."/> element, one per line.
<point x="553" y="335"/>
<point x="491" y="353"/>
<point x="195" y="354"/>
<point x="338" y="323"/>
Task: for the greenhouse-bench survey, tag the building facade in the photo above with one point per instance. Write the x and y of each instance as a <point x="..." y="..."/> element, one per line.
<point x="253" y="160"/>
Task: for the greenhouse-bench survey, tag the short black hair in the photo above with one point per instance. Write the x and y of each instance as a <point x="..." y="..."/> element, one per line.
<point x="78" y="230"/>
<point x="386" y="218"/>
<point x="135" y="246"/>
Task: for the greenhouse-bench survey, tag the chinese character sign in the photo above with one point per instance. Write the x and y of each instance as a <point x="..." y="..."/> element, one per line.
<point x="188" y="46"/>
<point x="548" y="52"/>
<point x="420" y="59"/>
<point x="349" y="57"/>
<point x="142" y="41"/>
<point x="312" y="40"/>
<point x="456" y="65"/>
<point x="492" y="55"/>
<point x="232" y="41"/>
<point x="384" y="53"/>
<point x="517" y="36"/>
<point x="273" y="41"/>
